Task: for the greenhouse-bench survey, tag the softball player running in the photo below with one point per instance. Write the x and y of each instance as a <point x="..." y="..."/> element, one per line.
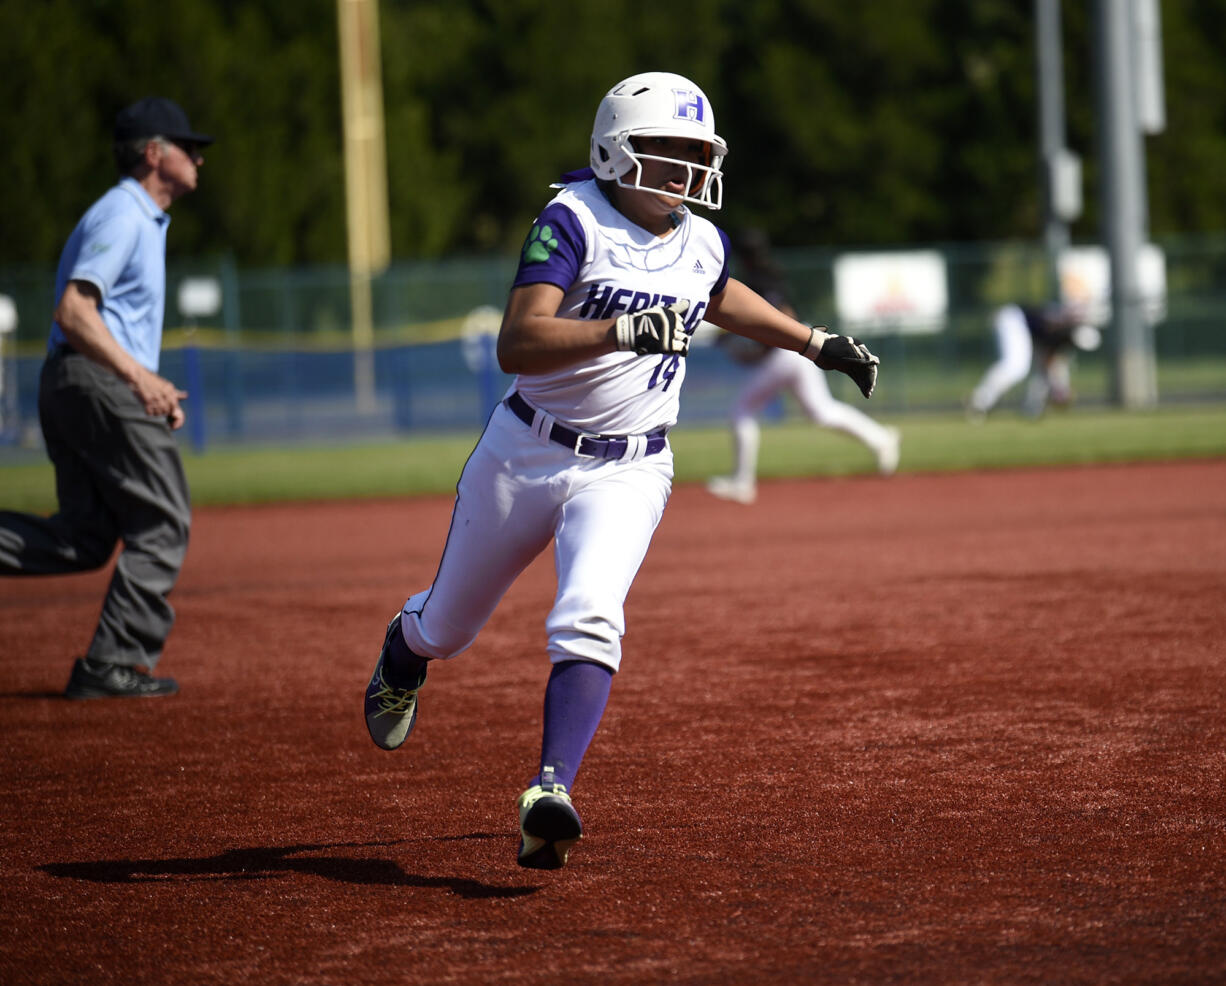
<point x="777" y="371"/>
<point x="615" y="275"/>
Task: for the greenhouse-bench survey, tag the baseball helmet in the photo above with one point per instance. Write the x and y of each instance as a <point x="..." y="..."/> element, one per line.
<point x="657" y="104"/>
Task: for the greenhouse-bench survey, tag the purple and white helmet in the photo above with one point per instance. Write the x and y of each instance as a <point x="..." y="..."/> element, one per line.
<point x="657" y="104"/>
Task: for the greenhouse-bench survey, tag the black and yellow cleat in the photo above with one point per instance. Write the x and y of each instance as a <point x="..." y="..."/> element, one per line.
<point x="549" y="826"/>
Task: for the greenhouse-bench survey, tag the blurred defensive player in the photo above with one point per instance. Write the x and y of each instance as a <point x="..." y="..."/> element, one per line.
<point x="777" y="371"/>
<point x="1035" y="341"/>
<point x="614" y="276"/>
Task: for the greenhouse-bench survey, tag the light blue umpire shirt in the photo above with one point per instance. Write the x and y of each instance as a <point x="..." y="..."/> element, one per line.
<point x="119" y="246"/>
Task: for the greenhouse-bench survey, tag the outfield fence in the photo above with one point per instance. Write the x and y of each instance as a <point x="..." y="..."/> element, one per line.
<point x="275" y="362"/>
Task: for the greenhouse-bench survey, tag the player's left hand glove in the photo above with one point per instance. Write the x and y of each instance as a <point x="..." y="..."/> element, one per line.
<point x="654" y="330"/>
<point x="845" y="354"/>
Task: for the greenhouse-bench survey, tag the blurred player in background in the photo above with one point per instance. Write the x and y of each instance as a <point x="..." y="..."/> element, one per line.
<point x="778" y="371"/>
<point x="107" y="416"/>
<point x="614" y="277"/>
<point x="1035" y="341"/>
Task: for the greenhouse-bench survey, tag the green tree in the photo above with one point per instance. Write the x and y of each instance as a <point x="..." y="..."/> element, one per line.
<point x="849" y="124"/>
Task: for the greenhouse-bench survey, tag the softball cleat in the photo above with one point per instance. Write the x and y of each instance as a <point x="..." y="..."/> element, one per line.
<point x="888" y="453"/>
<point x="391" y="712"/>
<point x="731" y="488"/>
<point x="549" y="826"/>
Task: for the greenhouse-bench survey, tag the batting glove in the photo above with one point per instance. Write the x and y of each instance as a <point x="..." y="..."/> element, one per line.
<point x="845" y="354"/>
<point x="654" y="330"/>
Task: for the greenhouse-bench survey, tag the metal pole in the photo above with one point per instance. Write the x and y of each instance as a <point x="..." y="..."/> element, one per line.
<point x="1050" y="72"/>
<point x="1135" y="383"/>
<point x="1151" y="109"/>
<point x="365" y="178"/>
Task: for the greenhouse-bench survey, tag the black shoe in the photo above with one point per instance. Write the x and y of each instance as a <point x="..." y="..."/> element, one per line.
<point x="549" y="826"/>
<point x="94" y="679"/>
<point x="391" y="711"/>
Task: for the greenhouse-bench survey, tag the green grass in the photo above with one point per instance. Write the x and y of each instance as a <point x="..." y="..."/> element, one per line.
<point x="791" y="448"/>
<point x="948" y="442"/>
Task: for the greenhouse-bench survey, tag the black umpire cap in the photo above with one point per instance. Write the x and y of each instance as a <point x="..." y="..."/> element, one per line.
<point x="156" y="116"/>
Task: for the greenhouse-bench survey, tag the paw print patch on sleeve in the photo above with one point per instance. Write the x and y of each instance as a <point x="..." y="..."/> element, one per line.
<point x="540" y="244"/>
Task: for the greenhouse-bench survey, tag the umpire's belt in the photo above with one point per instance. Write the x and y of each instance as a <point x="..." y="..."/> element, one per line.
<point x="588" y="446"/>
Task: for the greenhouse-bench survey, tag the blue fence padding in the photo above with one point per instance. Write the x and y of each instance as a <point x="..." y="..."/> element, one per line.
<point x="269" y="396"/>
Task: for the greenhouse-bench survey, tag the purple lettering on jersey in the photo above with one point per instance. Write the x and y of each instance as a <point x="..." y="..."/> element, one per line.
<point x="597" y="299"/>
<point x="606" y="301"/>
<point x="640" y="301"/>
<point x="689" y="105"/>
<point x="617" y="303"/>
<point x="694" y="317"/>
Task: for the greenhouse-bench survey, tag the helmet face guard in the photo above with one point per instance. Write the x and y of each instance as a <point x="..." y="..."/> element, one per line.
<point x="704" y="183"/>
<point x="657" y="104"/>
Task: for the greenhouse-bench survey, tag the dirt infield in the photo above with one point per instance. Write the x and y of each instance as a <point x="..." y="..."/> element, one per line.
<point x="932" y="729"/>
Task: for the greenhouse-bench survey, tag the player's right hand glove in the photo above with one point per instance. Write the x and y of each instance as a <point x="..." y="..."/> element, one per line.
<point x="847" y="355"/>
<point x="654" y="330"/>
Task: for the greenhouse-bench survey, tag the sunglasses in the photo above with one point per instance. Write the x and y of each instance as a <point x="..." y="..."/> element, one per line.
<point x="188" y="147"/>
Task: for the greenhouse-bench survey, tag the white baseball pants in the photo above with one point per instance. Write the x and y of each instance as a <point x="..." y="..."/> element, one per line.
<point x="783" y="370"/>
<point x="519" y="491"/>
<point x="1015" y="351"/>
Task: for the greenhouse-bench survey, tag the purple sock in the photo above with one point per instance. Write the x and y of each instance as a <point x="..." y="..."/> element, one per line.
<point x="574" y="702"/>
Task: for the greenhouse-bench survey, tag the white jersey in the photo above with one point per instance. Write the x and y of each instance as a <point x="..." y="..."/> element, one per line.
<point x="607" y="265"/>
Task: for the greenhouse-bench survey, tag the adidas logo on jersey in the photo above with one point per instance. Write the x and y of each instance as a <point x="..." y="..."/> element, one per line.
<point x="698" y="267"/>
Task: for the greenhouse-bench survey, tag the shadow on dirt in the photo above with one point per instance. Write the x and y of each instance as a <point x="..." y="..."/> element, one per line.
<point x="275" y="862"/>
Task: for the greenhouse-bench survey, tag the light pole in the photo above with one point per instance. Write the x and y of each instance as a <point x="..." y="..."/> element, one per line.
<point x="1061" y="168"/>
<point x="1120" y="83"/>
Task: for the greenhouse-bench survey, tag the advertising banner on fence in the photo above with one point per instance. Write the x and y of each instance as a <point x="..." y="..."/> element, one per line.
<point x="1085" y="281"/>
<point x="897" y="292"/>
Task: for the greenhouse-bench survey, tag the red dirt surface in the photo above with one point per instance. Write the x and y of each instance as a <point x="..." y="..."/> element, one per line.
<point x="931" y="729"/>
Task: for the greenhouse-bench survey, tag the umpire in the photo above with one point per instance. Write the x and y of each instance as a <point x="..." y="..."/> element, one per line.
<point x="107" y="416"/>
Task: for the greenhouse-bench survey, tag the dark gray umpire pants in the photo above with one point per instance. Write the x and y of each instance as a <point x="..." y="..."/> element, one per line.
<point x="118" y="477"/>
